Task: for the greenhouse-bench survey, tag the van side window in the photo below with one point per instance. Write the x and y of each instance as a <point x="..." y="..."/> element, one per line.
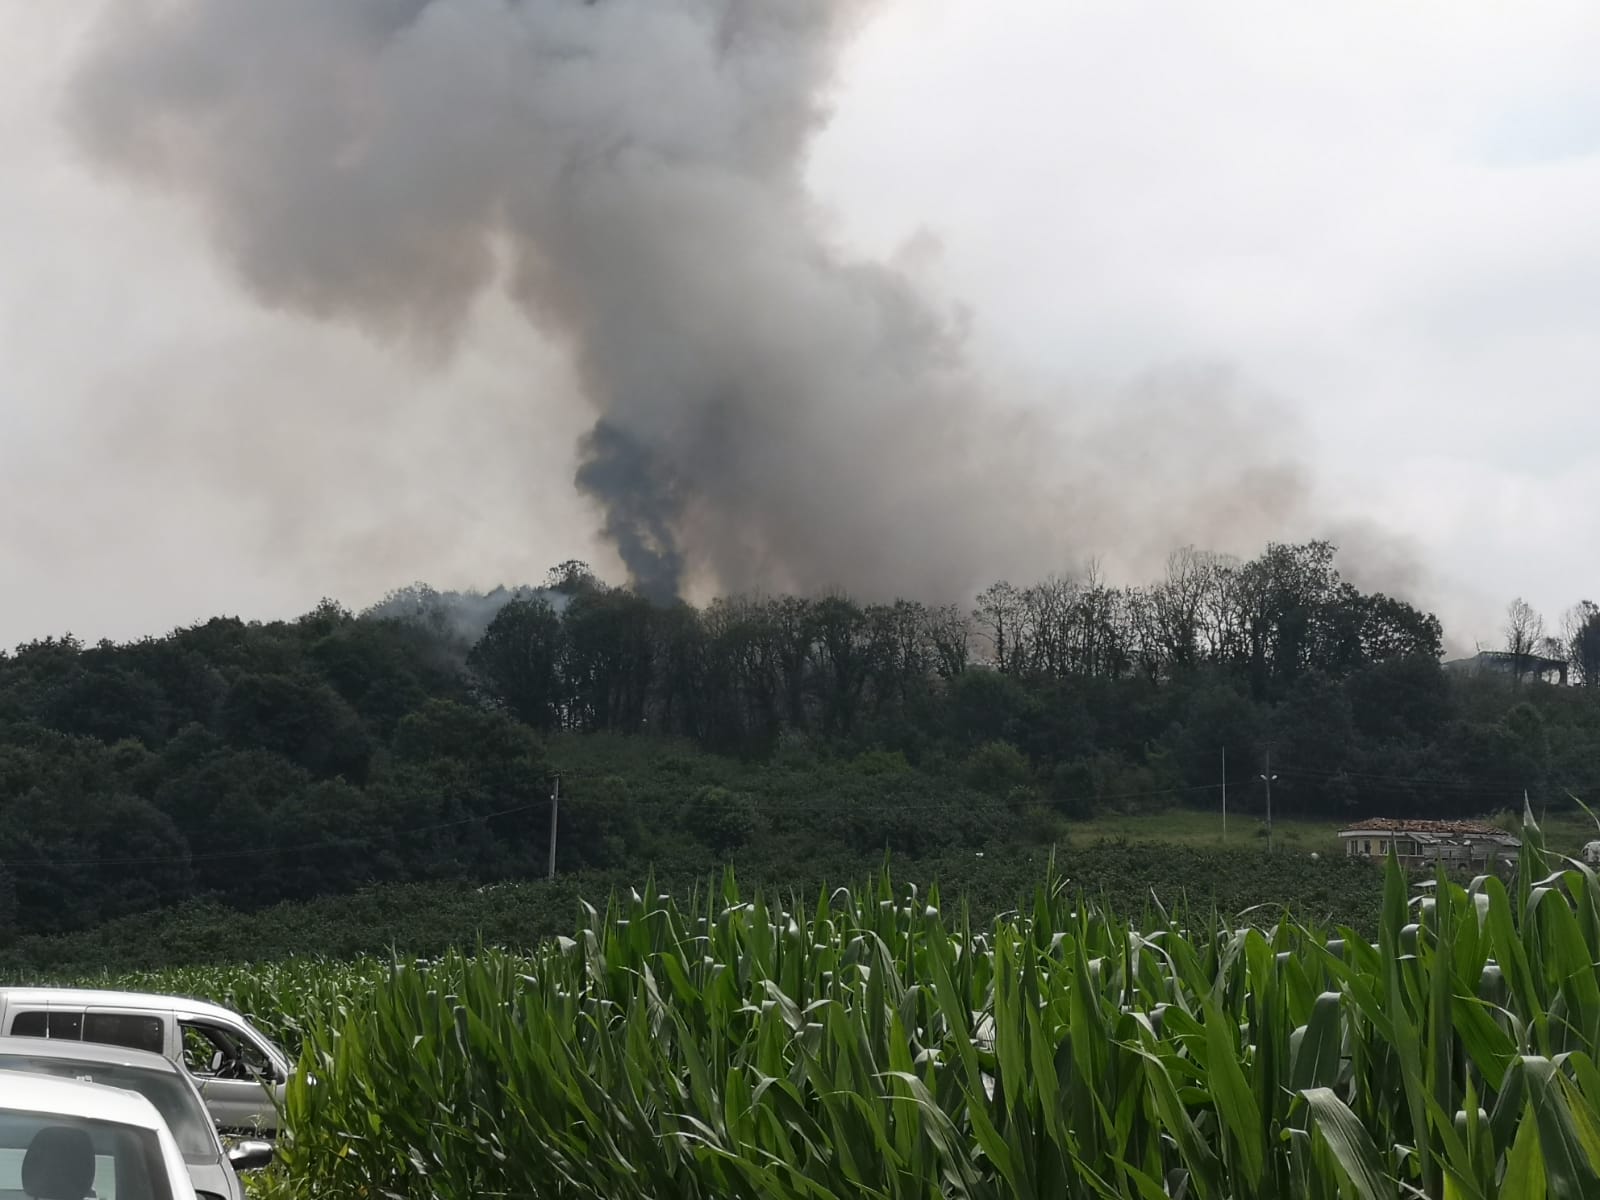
<point x="53" y="1024"/>
<point x="211" y="1052"/>
<point x="133" y="1030"/>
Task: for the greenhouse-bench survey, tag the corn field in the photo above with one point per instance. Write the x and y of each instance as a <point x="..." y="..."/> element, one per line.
<point x="871" y="1044"/>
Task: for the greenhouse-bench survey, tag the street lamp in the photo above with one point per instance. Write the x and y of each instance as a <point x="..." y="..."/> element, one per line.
<point x="1267" y="779"/>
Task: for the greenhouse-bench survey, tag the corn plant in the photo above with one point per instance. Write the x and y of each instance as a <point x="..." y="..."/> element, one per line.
<point x="874" y="1044"/>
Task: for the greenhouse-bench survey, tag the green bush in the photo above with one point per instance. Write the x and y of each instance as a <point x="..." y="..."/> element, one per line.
<point x="996" y="767"/>
<point x="721" y="819"/>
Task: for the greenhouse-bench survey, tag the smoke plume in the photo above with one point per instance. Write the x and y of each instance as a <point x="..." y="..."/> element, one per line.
<point x="769" y="410"/>
<point x="458" y="619"/>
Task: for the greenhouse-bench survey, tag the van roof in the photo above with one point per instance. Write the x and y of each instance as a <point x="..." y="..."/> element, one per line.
<point x="22" y="1092"/>
<point x="104" y="998"/>
<point x="97" y="1053"/>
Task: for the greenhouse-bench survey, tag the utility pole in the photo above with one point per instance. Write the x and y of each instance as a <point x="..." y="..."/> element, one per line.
<point x="555" y="807"/>
<point x="1224" y="793"/>
<point x="1267" y="777"/>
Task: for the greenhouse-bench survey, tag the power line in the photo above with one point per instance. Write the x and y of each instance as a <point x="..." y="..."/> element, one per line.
<point x="1431" y="782"/>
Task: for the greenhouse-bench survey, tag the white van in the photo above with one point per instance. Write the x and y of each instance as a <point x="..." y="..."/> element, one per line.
<point x="238" y="1070"/>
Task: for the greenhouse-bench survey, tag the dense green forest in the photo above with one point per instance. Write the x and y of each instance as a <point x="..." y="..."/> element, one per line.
<point x="250" y="764"/>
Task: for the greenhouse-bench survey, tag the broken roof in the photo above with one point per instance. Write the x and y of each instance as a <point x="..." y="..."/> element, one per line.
<point x="1447" y="828"/>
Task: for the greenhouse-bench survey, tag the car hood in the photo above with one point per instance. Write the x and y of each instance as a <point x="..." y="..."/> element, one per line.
<point x="214" y="1177"/>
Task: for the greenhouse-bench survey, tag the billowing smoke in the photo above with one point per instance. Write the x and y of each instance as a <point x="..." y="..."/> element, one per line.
<point x="642" y="505"/>
<point x="458" y="619"/>
<point x="769" y="411"/>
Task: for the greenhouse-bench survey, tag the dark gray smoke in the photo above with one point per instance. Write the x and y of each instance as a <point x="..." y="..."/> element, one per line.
<point x="769" y="411"/>
<point x="643" y="506"/>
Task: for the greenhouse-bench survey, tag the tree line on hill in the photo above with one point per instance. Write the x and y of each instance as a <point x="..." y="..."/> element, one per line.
<point x="261" y="762"/>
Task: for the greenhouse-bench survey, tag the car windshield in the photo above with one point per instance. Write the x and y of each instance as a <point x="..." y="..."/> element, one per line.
<point x="183" y="1111"/>
<point x="73" y="1158"/>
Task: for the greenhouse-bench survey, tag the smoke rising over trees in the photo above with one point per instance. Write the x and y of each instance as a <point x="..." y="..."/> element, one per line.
<point x="769" y="409"/>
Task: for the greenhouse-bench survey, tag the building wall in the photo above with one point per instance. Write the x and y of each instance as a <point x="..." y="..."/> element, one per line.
<point x="1376" y="844"/>
<point x="1452" y="853"/>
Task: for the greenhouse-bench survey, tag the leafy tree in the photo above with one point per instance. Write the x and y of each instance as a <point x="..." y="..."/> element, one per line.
<point x="383" y="669"/>
<point x="108" y="701"/>
<point x="1400" y="698"/>
<point x="609" y="664"/>
<point x="1583" y="643"/>
<point x="722" y="819"/>
<point x="520" y="662"/>
<point x="1000" y="615"/>
<point x="600" y="824"/>
<point x="300" y="718"/>
<point x="570" y="578"/>
<point x="1524" y="630"/>
<point x="996" y="768"/>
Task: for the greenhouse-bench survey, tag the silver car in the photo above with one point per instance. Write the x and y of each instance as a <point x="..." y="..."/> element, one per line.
<point x="212" y="1169"/>
<point x="239" y="1071"/>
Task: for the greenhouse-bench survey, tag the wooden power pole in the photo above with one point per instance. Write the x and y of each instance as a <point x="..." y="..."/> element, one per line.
<point x="555" y="807"/>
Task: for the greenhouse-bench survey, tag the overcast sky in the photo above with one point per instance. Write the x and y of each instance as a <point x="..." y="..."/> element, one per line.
<point x="1383" y="216"/>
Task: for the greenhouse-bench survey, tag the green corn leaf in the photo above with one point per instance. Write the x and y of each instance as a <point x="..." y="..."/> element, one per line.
<point x="1350" y="1145"/>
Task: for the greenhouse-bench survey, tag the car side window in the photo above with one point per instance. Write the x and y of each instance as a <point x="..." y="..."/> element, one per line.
<point x="203" y="1053"/>
<point x="134" y="1030"/>
<point x="212" y="1052"/>
<point x="55" y="1023"/>
<point x="29" y="1024"/>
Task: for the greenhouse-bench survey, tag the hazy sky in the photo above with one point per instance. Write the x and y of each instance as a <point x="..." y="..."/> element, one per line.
<point x="1380" y="216"/>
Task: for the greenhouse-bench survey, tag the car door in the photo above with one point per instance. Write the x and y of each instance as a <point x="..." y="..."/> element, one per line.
<point x="235" y="1076"/>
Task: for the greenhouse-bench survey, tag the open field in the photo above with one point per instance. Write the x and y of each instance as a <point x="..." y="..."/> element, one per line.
<point x="880" y="1043"/>
<point x="1195" y="827"/>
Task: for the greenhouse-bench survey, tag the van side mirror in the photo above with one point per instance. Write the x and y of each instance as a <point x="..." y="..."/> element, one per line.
<point x="251" y="1156"/>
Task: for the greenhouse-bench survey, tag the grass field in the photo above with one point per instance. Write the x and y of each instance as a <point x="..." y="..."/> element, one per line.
<point x="1193" y="827"/>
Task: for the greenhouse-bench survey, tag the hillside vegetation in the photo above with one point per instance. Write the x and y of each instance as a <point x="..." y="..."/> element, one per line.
<point x="430" y="918"/>
<point x="248" y="765"/>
